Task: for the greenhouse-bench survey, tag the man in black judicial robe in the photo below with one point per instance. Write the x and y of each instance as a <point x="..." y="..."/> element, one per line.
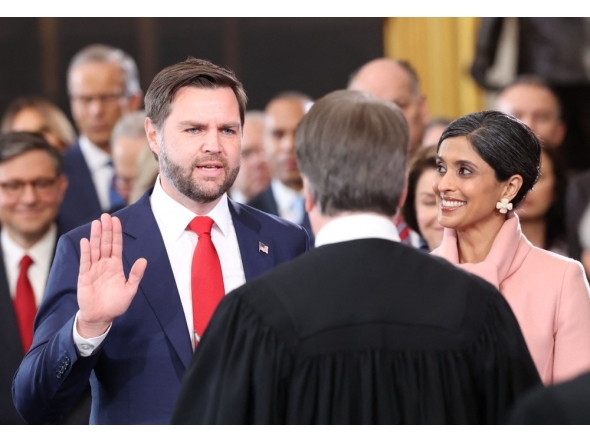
<point x="363" y="329"/>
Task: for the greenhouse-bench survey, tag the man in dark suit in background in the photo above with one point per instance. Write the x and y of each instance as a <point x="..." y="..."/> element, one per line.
<point x="362" y="329"/>
<point x="284" y="196"/>
<point x="129" y="297"/>
<point x="31" y="188"/>
<point x="103" y="85"/>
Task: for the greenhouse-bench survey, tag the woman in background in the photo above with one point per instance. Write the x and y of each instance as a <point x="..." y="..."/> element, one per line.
<point x="487" y="162"/>
<point x="420" y="210"/>
<point x="39" y="115"/>
<point x="542" y="212"/>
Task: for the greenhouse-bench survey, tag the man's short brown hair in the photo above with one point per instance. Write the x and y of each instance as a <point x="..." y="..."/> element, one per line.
<point x="192" y="72"/>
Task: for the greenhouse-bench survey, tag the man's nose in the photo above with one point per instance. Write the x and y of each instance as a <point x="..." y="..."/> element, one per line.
<point x="288" y="142"/>
<point x="29" y="194"/>
<point x="212" y="142"/>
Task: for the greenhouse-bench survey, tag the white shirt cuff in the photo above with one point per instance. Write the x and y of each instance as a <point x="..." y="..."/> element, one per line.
<point x="87" y="347"/>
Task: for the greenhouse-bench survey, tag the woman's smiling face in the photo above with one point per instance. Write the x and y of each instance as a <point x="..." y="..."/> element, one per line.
<point x="465" y="186"/>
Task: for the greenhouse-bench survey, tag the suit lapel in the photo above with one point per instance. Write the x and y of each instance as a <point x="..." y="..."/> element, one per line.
<point x="143" y="239"/>
<point x="271" y="202"/>
<point x="251" y="242"/>
<point x="10" y="340"/>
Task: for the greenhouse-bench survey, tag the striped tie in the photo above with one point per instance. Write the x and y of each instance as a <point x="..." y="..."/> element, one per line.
<point x="403" y="231"/>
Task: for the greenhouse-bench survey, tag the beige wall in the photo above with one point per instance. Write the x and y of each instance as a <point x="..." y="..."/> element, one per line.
<point x="441" y="51"/>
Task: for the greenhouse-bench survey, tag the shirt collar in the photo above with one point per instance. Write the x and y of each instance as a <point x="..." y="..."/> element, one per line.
<point x="95" y="157"/>
<point x="175" y="217"/>
<point x="284" y="195"/>
<point x="39" y="253"/>
<point x="357" y="226"/>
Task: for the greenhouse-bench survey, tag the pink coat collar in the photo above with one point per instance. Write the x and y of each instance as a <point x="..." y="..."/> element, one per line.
<point x="506" y="256"/>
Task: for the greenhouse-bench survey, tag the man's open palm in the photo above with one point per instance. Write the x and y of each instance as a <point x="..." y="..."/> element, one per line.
<point x="103" y="291"/>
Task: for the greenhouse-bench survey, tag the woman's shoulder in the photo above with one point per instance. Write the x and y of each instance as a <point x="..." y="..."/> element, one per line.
<point x="546" y="261"/>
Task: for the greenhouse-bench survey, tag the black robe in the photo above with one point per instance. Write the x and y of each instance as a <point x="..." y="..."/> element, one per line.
<point x="360" y="332"/>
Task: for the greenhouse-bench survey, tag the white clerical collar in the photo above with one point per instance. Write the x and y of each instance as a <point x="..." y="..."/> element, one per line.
<point x="357" y="226"/>
<point x="95" y="157"/>
<point x="175" y="217"/>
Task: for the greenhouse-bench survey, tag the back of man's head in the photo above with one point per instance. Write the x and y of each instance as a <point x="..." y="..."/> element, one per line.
<point x="353" y="149"/>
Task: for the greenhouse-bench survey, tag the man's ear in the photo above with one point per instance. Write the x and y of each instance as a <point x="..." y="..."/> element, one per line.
<point x="424" y="110"/>
<point x="62" y="182"/>
<point x="559" y="135"/>
<point x="152" y="136"/>
<point x="309" y="199"/>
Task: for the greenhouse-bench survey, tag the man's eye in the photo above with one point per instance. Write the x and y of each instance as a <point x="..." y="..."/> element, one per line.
<point x="43" y="183"/>
<point x="13" y="186"/>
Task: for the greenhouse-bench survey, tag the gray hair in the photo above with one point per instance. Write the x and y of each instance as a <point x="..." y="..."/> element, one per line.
<point x="353" y="149"/>
<point x="130" y="125"/>
<point x="104" y="53"/>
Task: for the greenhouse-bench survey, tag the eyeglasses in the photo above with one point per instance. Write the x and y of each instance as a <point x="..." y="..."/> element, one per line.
<point x="41" y="187"/>
<point x="104" y="99"/>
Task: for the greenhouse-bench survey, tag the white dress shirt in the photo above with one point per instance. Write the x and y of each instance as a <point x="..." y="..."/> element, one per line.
<point x="357" y="226"/>
<point x="288" y="202"/>
<point x="172" y="219"/>
<point x="42" y="255"/>
<point x="102" y="171"/>
<point x="238" y="196"/>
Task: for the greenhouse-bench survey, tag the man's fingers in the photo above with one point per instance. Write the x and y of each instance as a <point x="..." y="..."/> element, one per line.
<point x="117" y="249"/>
<point x="106" y="239"/>
<point x="136" y="273"/>
<point x="95" y="233"/>
<point x="84" y="255"/>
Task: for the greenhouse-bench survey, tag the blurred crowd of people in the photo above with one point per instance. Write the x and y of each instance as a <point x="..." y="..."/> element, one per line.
<point x="56" y="176"/>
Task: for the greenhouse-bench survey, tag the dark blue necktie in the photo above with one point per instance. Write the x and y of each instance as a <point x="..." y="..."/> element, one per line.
<point x="115" y="199"/>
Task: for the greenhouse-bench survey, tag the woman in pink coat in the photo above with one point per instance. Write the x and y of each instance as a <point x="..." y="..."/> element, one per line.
<point x="487" y="162"/>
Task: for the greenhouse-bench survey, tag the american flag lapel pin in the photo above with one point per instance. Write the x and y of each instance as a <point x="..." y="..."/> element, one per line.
<point x="262" y="248"/>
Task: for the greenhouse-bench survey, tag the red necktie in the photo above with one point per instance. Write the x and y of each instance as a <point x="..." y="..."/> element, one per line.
<point x="24" y="304"/>
<point x="403" y="231"/>
<point x="206" y="278"/>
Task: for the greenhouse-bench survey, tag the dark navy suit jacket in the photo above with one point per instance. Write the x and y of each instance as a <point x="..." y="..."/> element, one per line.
<point x="136" y="374"/>
<point x="11" y="355"/>
<point x="266" y="202"/>
<point x="80" y="205"/>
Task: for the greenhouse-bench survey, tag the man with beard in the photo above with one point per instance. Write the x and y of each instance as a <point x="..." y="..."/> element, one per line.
<point x="151" y="276"/>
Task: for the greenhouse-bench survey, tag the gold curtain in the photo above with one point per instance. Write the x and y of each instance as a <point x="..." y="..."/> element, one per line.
<point x="441" y="50"/>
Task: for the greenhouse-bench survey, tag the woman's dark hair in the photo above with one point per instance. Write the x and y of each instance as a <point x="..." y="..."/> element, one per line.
<point x="423" y="160"/>
<point x="555" y="215"/>
<point x="504" y="143"/>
